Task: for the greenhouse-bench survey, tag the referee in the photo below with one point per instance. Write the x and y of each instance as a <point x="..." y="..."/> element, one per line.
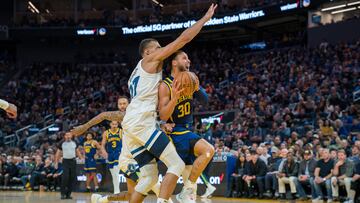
<point x="68" y="150"/>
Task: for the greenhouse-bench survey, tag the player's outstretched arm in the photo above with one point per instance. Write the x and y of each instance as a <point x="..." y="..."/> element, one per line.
<point x="202" y="96"/>
<point x="109" y="115"/>
<point x="11" y="109"/>
<point x="185" y="37"/>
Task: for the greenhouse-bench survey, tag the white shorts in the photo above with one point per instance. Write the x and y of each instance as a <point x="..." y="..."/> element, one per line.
<point x="127" y="163"/>
<point x="144" y="141"/>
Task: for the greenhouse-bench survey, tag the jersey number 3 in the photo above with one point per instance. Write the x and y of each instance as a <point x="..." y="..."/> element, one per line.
<point x="184" y="109"/>
<point x="133" y="86"/>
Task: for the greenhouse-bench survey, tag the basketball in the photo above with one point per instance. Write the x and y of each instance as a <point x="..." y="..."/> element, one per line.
<point x="189" y="82"/>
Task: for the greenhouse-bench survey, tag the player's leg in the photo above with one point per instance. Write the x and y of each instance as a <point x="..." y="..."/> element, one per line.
<point x="148" y="177"/>
<point x="158" y="146"/>
<point x="95" y="179"/>
<point x="88" y="181"/>
<point x="166" y="152"/>
<point x="210" y="189"/>
<point x="115" y="179"/>
<point x="131" y="180"/>
<point x="114" y="170"/>
<point x="204" y="153"/>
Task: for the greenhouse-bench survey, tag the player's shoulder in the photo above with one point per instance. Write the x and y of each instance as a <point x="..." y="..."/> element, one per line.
<point x="168" y="79"/>
<point x="167" y="82"/>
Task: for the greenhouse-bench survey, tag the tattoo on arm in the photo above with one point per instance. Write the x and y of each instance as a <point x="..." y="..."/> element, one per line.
<point x="109" y="115"/>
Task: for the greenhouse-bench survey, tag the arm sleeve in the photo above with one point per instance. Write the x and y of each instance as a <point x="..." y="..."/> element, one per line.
<point x="295" y="170"/>
<point x="202" y="96"/>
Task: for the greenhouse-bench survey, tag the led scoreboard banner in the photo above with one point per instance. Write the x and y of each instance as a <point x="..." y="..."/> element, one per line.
<point x="104" y="32"/>
<point x="228" y="19"/>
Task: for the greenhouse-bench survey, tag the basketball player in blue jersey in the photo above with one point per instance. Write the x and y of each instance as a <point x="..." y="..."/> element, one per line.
<point x="188" y="144"/>
<point x="145" y="142"/>
<point x="90" y="147"/>
<point x="111" y="145"/>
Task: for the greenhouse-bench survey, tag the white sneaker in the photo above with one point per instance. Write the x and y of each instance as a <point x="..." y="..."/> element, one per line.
<point x="209" y="191"/>
<point x="186" y="196"/>
<point x="95" y="198"/>
<point x="329" y="201"/>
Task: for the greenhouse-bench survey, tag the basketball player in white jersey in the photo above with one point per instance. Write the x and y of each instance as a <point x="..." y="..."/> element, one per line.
<point x="145" y="142"/>
<point x="10" y="109"/>
<point x="126" y="163"/>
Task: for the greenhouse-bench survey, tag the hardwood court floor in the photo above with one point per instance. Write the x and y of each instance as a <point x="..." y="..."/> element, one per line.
<point x="54" y="197"/>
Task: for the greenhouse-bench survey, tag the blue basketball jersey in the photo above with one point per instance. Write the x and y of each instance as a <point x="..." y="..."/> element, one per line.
<point x="90" y="150"/>
<point x="113" y="140"/>
<point x="182" y="115"/>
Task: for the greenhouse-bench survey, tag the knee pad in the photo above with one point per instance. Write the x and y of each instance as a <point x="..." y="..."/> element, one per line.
<point x="148" y="178"/>
<point x="172" y="160"/>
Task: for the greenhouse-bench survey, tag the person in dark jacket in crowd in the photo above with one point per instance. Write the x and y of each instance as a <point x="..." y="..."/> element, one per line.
<point x="47" y="174"/>
<point x="36" y="175"/>
<point x="306" y="175"/>
<point x="57" y="177"/>
<point x="271" y="182"/>
<point x="9" y="170"/>
<point x="255" y="175"/>
<point x="287" y="175"/>
<point x="25" y="171"/>
<point x="237" y="183"/>
<point x="342" y="175"/>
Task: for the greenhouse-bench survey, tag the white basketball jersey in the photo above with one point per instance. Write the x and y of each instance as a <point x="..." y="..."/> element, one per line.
<point x="143" y="88"/>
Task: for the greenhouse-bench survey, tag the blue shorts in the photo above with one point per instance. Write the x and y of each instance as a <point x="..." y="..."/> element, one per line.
<point x="184" y="141"/>
<point x="113" y="159"/>
<point x="90" y="165"/>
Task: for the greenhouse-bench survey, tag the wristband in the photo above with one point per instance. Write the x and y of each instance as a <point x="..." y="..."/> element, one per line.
<point x="4" y="104"/>
<point x="324" y="179"/>
<point x="161" y="122"/>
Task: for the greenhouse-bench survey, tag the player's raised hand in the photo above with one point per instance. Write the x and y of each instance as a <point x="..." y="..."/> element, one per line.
<point x="11" y="111"/>
<point x="210" y="12"/>
<point x="78" y="130"/>
<point x="176" y="89"/>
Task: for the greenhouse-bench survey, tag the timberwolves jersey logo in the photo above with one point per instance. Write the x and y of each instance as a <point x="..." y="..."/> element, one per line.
<point x="133" y="167"/>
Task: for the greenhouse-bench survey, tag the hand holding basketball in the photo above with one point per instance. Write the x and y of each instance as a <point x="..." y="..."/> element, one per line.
<point x="189" y="82"/>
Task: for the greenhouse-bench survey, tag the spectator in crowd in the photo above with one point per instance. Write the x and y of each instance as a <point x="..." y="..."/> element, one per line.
<point x="306" y="175"/>
<point x="8" y="171"/>
<point x="288" y="175"/>
<point x="323" y="173"/>
<point x="26" y="171"/>
<point x="342" y="175"/>
<point x="47" y="175"/>
<point x="237" y="182"/>
<point x="36" y="174"/>
<point x="255" y="175"/>
<point x="271" y="182"/>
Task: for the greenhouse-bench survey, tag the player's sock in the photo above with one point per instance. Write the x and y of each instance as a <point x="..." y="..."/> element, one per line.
<point x="189" y="184"/>
<point x="161" y="200"/>
<point x="115" y="179"/>
<point x="186" y="173"/>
